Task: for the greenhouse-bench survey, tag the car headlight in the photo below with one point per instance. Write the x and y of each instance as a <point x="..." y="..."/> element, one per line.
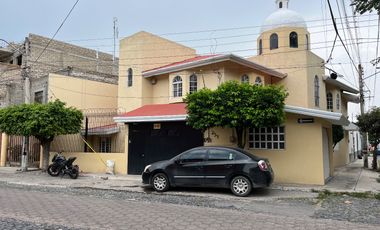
<point x="146" y="168"/>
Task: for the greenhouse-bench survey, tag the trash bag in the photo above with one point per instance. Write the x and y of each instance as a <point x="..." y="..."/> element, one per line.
<point x="110" y="167"/>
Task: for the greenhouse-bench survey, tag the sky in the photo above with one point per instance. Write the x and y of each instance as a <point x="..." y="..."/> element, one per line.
<point x="209" y="26"/>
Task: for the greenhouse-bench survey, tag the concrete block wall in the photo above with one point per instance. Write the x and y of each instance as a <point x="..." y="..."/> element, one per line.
<point x="59" y="55"/>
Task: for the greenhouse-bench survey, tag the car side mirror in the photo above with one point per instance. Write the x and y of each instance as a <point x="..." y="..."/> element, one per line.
<point x="178" y="161"/>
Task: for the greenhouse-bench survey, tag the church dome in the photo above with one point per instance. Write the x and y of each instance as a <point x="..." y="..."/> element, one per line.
<point x="283" y="17"/>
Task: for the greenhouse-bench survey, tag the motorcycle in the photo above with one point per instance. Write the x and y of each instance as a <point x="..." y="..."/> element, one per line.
<point x="62" y="166"/>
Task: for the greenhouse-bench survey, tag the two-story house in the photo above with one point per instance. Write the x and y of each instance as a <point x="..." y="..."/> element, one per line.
<point x="156" y="74"/>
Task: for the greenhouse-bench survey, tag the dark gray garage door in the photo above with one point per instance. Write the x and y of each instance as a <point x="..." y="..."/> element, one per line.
<point x="151" y="142"/>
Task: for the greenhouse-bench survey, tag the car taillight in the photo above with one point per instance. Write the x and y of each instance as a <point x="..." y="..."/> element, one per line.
<point x="263" y="165"/>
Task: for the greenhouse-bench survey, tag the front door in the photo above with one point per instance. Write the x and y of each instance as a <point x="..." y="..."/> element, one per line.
<point x="151" y="142"/>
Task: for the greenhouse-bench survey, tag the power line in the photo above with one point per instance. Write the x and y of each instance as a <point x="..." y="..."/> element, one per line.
<point x="377" y="53"/>
<point x="56" y="32"/>
<point x="192" y="55"/>
<point x="340" y="38"/>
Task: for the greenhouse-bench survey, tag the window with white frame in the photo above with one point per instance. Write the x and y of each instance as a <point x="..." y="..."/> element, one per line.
<point x="130" y="77"/>
<point x="316" y="91"/>
<point x="337" y="101"/>
<point x="105" y="145"/>
<point x="258" y="81"/>
<point x="245" y="79"/>
<point x="267" y="138"/>
<point x="193" y="83"/>
<point x="330" y="103"/>
<point x="177" y="86"/>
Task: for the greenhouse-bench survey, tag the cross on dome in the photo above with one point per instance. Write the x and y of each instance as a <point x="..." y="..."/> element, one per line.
<point x="282" y="4"/>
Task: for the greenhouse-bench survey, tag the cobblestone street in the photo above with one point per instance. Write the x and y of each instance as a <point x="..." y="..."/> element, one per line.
<point x="25" y="208"/>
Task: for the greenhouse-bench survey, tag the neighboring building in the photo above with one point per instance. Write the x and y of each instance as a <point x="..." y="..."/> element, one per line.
<point x="156" y="74"/>
<point x="39" y="70"/>
<point x="33" y="59"/>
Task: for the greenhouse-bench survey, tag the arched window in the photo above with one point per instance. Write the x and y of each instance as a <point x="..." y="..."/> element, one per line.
<point x="307" y="42"/>
<point x="193" y="83"/>
<point x="330" y="103"/>
<point x="258" y="81"/>
<point x="316" y="91"/>
<point x="274" y="41"/>
<point x="337" y="101"/>
<point x="293" y="40"/>
<point x="260" y="47"/>
<point x="244" y="79"/>
<point x="177" y="86"/>
<point x="130" y="77"/>
<point x="280" y="5"/>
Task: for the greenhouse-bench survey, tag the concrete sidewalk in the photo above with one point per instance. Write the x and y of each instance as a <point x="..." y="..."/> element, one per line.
<point x="351" y="178"/>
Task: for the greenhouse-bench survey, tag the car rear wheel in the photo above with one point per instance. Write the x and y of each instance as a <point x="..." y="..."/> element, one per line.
<point x="160" y="182"/>
<point x="241" y="186"/>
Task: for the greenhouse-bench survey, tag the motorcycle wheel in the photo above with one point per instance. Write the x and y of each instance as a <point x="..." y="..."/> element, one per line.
<point x="53" y="170"/>
<point x="74" y="172"/>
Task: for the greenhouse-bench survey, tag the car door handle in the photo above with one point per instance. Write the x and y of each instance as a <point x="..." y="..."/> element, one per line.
<point x="228" y="166"/>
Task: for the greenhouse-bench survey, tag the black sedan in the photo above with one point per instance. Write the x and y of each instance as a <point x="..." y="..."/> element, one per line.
<point x="221" y="167"/>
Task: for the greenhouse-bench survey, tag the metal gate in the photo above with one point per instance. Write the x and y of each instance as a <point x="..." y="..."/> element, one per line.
<point x="151" y="142"/>
<point x="15" y="151"/>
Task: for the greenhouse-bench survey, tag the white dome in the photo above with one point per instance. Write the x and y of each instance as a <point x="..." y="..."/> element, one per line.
<point x="283" y="17"/>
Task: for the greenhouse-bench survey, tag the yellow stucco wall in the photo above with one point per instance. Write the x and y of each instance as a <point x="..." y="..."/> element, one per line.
<point x="143" y="51"/>
<point x="341" y="152"/>
<point x="300" y="64"/>
<point x="302" y="160"/>
<point x="81" y="93"/>
<point x="96" y="162"/>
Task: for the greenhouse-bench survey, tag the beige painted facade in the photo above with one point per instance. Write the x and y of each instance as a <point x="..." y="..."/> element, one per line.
<point x="97" y="163"/>
<point x="143" y="51"/>
<point x="308" y="156"/>
<point x="81" y="93"/>
<point x="300" y="64"/>
<point x="300" y="162"/>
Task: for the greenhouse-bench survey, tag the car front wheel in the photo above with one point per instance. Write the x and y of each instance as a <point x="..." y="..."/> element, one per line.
<point x="241" y="186"/>
<point x="160" y="182"/>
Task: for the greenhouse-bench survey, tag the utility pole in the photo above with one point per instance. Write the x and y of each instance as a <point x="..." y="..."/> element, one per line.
<point x="25" y="146"/>
<point x="362" y="111"/>
<point x="115" y="37"/>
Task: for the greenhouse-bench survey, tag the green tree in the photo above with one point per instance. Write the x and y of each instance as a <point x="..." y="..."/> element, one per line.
<point x="370" y="123"/>
<point x="237" y="106"/>
<point x="338" y="134"/>
<point x="363" y="6"/>
<point x="44" y="121"/>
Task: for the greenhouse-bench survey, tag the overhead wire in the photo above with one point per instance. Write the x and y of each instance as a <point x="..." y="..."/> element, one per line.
<point x="377" y="53"/>
<point x="340" y="38"/>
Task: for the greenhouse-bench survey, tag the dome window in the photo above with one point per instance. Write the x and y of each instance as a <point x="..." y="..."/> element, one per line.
<point x="260" y="47"/>
<point x="293" y="40"/>
<point x="274" y="41"/>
